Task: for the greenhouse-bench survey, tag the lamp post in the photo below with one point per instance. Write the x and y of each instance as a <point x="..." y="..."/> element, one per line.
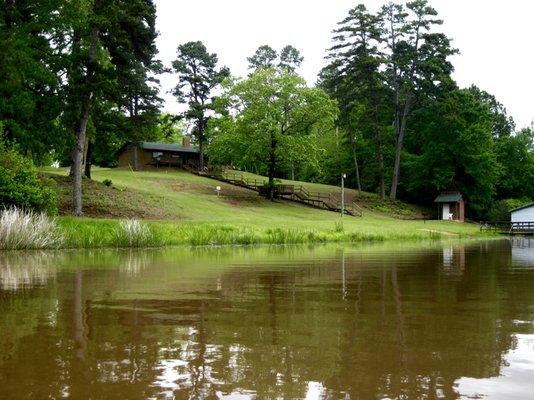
<point x="343" y="176"/>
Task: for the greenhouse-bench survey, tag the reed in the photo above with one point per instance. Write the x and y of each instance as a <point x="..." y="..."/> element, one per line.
<point x="133" y="233"/>
<point x="23" y="229"/>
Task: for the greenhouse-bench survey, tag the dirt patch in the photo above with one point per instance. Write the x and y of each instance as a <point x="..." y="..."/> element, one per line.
<point x="444" y="233"/>
<point x="101" y="201"/>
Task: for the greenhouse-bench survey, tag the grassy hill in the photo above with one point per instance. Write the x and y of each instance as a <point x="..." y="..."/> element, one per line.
<point x="177" y="203"/>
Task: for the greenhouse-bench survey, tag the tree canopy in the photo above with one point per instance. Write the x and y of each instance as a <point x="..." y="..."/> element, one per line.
<point x="198" y="76"/>
<point x="266" y="116"/>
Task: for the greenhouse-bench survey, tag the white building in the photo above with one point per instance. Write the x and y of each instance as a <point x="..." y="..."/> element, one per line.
<point x="523" y="214"/>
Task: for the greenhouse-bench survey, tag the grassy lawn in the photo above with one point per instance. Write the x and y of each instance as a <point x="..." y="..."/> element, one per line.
<point x="182" y="208"/>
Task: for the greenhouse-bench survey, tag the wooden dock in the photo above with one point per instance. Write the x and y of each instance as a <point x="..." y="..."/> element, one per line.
<point x="509" y="228"/>
<point x="296" y="193"/>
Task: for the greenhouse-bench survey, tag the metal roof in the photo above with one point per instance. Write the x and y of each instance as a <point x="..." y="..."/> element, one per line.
<point x="448" y="198"/>
<point x="168" y="147"/>
<point x="522" y="207"/>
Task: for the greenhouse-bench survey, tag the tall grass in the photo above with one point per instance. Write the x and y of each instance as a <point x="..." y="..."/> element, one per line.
<point x="92" y="233"/>
<point x="22" y="229"/>
<point x="133" y="233"/>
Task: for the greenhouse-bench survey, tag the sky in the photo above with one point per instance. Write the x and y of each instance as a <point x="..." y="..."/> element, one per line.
<point x="495" y="39"/>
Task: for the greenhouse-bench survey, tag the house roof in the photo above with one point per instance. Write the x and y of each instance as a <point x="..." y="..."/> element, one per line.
<point x="153" y="146"/>
<point x="522" y="207"/>
<point x="448" y="198"/>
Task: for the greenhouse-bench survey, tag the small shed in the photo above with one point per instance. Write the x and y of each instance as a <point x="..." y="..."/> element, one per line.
<point x="143" y="155"/>
<point x="451" y="206"/>
<point x="523" y="214"/>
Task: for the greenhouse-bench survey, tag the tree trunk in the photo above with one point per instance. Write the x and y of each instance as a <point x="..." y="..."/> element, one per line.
<point x="201" y="155"/>
<point x="398" y="147"/>
<point x="381" y="179"/>
<point x="77" y="157"/>
<point x="88" y="159"/>
<point x="356" y="166"/>
<point x="272" y="165"/>
<point x="80" y="338"/>
<point x="78" y="151"/>
<point x="201" y="142"/>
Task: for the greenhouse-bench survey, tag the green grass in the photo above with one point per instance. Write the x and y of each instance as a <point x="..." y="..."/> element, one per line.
<point x="183" y="209"/>
<point x="366" y="200"/>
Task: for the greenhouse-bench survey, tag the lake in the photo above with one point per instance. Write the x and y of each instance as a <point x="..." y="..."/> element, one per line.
<point x="388" y="321"/>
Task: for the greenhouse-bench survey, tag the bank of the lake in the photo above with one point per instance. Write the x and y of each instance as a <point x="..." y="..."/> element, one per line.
<point x="101" y="233"/>
<point x="179" y="208"/>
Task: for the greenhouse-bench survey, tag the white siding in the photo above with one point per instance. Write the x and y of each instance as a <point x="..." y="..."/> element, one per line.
<point x="523" y="215"/>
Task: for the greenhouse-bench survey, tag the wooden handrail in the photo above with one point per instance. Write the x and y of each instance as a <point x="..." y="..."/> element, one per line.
<point x="324" y="200"/>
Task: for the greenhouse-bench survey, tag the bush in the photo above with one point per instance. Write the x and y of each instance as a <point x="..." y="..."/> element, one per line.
<point x="500" y="210"/>
<point x="21" y="186"/>
<point x="20" y="229"/>
<point x="107" y="182"/>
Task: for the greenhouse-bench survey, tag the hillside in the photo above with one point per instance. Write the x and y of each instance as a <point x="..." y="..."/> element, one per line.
<point x="180" y="197"/>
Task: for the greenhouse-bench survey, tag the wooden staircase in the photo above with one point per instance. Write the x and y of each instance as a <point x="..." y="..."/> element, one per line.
<point x="296" y="193"/>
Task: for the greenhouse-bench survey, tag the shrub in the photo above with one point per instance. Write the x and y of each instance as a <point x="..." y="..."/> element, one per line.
<point x="107" y="182"/>
<point x="21" y="229"/>
<point x="20" y="185"/>
<point x="133" y="233"/>
<point x="339" y="227"/>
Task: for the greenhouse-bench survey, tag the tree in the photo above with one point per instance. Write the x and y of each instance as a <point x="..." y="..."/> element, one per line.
<point x="30" y="89"/>
<point x="131" y="44"/>
<point x="451" y="148"/>
<point x="502" y="124"/>
<point x="83" y="81"/>
<point x="290" y="59"/>
<point x="416" y="61"/>
<point x="353" y="77"/>
<point x="515" y="154"/>
<point x="266" y="57"/>
<point x="109" y="59"/>
<point x="198" y="77"/>
<point x="266" y="115"/>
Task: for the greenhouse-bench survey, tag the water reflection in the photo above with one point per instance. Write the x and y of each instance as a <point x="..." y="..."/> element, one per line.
<point x="522" y="251"/>
<point x="443" y="321"/>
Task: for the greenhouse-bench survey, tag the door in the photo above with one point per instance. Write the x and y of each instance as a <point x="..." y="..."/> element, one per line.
<point x="446" y="211"/>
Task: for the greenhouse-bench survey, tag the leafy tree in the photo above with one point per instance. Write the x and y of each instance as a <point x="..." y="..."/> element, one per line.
<point x="266" y="116"/>
<point x="110" y="57"/>
<point x="416" y="61"/>
<point x="515" y="154"/>
<point x="452" y="149"/>
<point x="30" y="88"/>
<point x="170" y="128"/>
<point x="198" y="78"/>
<point x="20" y="184"/>
<point x="502" y="124"/>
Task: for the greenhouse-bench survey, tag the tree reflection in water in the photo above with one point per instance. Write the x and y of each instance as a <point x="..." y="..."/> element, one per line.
<point x="438" y="321"/>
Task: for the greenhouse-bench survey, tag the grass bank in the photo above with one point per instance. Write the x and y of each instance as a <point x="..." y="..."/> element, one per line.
<point x="96" y="233"/>
<point x="179" y="208"/>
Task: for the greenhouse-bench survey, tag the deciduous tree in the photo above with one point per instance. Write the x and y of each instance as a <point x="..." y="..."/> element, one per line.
<point x="267" y="114"/>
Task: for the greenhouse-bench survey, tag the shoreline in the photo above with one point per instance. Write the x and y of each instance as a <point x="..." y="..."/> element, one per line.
<point x="108" y="234"/>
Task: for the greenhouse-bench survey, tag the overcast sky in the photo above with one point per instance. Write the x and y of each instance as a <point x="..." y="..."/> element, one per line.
<point x="495" y="38"/>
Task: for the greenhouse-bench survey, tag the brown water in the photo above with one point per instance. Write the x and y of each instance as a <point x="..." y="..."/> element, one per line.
<point x="371" y="322"/>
